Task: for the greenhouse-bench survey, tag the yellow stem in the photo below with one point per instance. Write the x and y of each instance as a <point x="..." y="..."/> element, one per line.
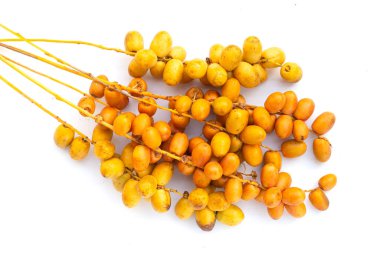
<point x="45" y="109"/>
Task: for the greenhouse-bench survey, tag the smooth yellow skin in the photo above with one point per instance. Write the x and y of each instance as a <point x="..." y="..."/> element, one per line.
<point x="118" y="183"/>
<point x="215" y="53"/>
<point x="63" y="136"/>
<point x="293" y="196"/>
<point x="253" y="135"/>
<point x="147" y="186"/>
<point x="252" y="154"/>
<point x="291" y="72"/>
<point x="205" y="219"/>
<point x="284" y="126"/>
<point x="217" y="202"/>
<point x="233" y="190"/>
<point x="291" y="102"/>
<point x="232" y="216"/>
<point x="284" y="180"/>
<point x="230" y="163"/>
<point x="130" y="195"/>
<point x="200" y="109"/>
<point x="300" y="130"/>
<point x="133" y="41"/>
<point x="79" y="148"/>
<point x="177" y="52"/>
<point x="163" y="172"/>
<point x="272" y="57"/>
<point x="104" y="150"/>
<point x="161" y="201"/>
<point x="220" y="144"/>
<point x="275" y="102"/>
<point x="157" y="70"/>
<point x="236" y="121"/>
<point x="179" y="144"/>
<point x="184" y="209"/>
<point x="101" y="133"/>
<point x="147" y="171"/>
<point x="327" y="182"/>
<point x="222" y="106"/>
<point x="261" y="72"/>
<point x="173" y="72"/>
<point x="231" y="57"/>
<point x="123" y="123"/>
<point x="140" y="122"/>
<point x="136" y="70"/>
<point x="183" y="104"/>
<point x="273" y="157"/>
<point x="146" y="58"/>
<point x="201" y="154"/>
<point x="236" y="144"/>
<point x="112" y="168"/>
<point x="323" y="123"/>
<point x="198" y="198"/>
<point x="319" y="199"/>
<point x="250" y="191"/>
<point x="293" y="148"/>
<point x="246" y="75"/>
<point x="304" y="109"/>
<point x="126" y="155"/>
<point x="276" y="212"/>
<point x="269" y="175"/>
<point x="216" y="75"/>
<point x="252" y="49"/>
<point x="151" y="137"/>
<point x="140" y="158"/>
<point x="297" y="211"/>
<point x="196" y="68"/>
<point x="322" y="149"/>
<point x="272" y="197"/>
<point x="262" y="118"/>
<point x="161" y="44"/>
<point x="231" y="89"/>
<point x="199" y="178"/>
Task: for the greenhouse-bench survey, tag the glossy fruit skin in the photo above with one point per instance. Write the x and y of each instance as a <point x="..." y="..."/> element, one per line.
<point x="135" y="70"/>
<point x="119" y="182"/>
<point x="112" y="168"/>
<point x="147" y="186"/>
<point x="213" y="170"/>
<point x="87" y="104"/>
<point x="183" y="104"/>
<point x="269" y="175"/>
<point x="146" y="58"/>
<point x="231" y="89"/>
<point x="215" y="52"/>
<point x="322" y="149"/>
<point x="220" y="144"/>
<point x="157" y="70"/>
<point x="217" y="202"/>
<point x="250" y="191"/>
<point x="63" y="136"/>
<point x="319" y="199"/>
<point x="323" y="123"/>
<point x="293" y="196"/>
<point x="300" y="130"/>
<point x="216" y="75"/>
<point x="252" y="154"/>
<point x="230" y="163"/>
<point x="236" y="121"/>
<point x="96" y="88"/>
<point x="101" y="133"/>
<point x="291" y="102"/>
<point x="291" y="72"/>
<point x="104" y="150"/>
<point x="284" y="180"/>
<point x="139" y="124"/>
<point x="252" y="49"/>
<point x="133" y="41"/>
<point x="209" y="131"/>
<point x="222" y="106"/>
<point x="236" y="144"/>
<point x="211" y="95"/>
<point x="246" y="75"/>
<point x="327" y="182"/>
<point x="233" y="190"/>
<point x="163" y="172"/>
<point x="115" y="99"/>
<point x="196" y="68"/>
<point x="272" y="197"/>
<point x="293" y="148"/>
<point x="179" y="121"/>
<point x="123" y="123"/>
<point x="148" y="106"/>
<point x="232" y="216"/>
<point x="130" y="195"/>
<point x="262" y="118"/>
<point x="164" y="130"/>
<point x="177" y="53"/>
<point x="79" y="148"/>
<point x="272" y="57"/>
<point x="274" y="157"/>
<point x="173" y="72"/>
<point x="195" y="93"/>
<point x="183" y="209"/>
<point x="140" y="158"/>
<point x="261" y="72"/>
<point x="304" y="109"/>
<point x="231" y="57"/>
<point x="198" y="198"/>
<point x="275" y="102"/>
<point x="161" y="201"/>
<point x="109" y="114"/>
<point x="276" y="212"/>
<point x="201" y="154"/>
<point x="127" y="154"/>
<point x="179" y="144"/>
<point x="284" y="126"/>
<point x="161" y="43"/>
<point x="200" y="109"/>
<point x="253" y="135"/>
<point x="297" y="211"/>
<point x="205" y="219"/>
<point x="151" y="137"/>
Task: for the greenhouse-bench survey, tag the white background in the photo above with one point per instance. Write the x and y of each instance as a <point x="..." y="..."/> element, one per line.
<point x="49" y="203"/>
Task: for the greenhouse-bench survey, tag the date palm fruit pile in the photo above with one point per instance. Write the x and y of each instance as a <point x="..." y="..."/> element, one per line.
<point x="231" y="138"/>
